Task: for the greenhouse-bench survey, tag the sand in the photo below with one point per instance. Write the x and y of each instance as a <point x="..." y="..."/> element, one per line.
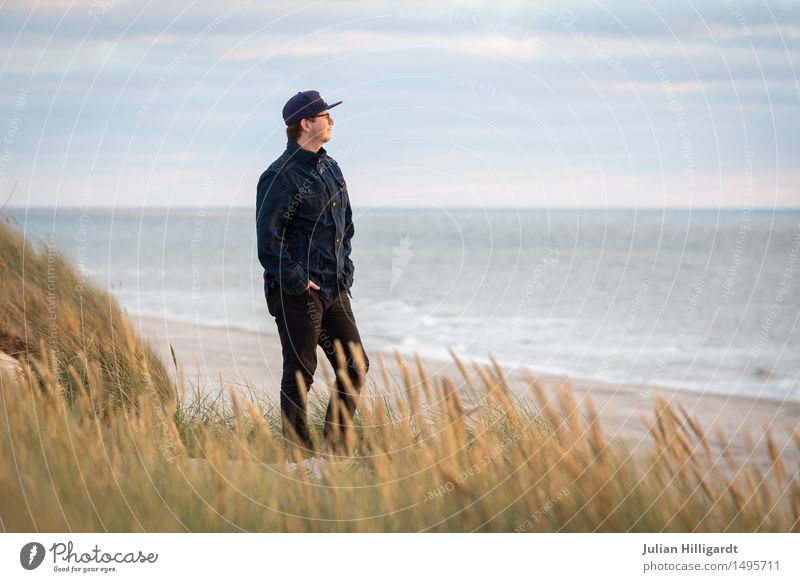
<point x="215" y="358"/>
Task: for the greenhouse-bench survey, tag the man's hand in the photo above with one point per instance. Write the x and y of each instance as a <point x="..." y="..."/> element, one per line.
<point x="313" y="285"/>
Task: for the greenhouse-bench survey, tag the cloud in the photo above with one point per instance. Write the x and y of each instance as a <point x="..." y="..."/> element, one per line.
<point x="196" y="88"/>
<point x="330" y="44"/>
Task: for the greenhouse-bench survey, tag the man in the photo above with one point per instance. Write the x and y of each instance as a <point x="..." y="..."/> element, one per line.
<point x="304" y="225"/>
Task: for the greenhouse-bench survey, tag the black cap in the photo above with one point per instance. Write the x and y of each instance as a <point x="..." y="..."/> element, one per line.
<point x="305" y="104"/>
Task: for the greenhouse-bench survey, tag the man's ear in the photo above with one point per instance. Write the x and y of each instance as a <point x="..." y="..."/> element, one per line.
<point x="305" y="124"/>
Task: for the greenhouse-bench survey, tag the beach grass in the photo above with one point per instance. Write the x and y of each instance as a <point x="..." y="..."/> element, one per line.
<point x="65" y="325"/>
<point x="99" y="435"/>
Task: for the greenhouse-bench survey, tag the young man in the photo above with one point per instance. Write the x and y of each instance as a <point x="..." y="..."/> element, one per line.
<point x="304" y="225"/>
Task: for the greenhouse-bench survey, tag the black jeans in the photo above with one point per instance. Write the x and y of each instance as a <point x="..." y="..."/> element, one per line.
<point x="305" y="321"/>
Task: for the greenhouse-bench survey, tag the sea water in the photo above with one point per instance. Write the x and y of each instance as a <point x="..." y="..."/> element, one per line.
<point x="696" y="299"/>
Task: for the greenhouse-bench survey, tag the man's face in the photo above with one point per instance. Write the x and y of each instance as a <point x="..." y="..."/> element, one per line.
<point x="321" y="126"/>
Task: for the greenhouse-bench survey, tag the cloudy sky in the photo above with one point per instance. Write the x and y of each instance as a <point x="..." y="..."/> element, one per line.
<point x="465" y="104"/>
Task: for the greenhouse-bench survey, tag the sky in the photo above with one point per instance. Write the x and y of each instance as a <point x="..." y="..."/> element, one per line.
<point x="449" y="104"/>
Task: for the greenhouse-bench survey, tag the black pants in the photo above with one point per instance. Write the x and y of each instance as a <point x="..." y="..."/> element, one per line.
<point x="305" y="321"/>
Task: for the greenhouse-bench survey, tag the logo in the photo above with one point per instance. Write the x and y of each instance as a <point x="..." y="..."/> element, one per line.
<point x="402" y="255"/>
<point x="31" y="555"/>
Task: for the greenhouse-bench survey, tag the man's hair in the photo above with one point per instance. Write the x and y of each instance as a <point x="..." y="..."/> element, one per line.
<point x="294" y="131"/>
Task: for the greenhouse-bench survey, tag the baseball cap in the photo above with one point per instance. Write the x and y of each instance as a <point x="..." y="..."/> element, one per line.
<point x="305" y="104"/>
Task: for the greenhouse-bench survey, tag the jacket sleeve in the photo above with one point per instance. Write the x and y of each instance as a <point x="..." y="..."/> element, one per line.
<point x="348" y="267"/>
<point x="273" y="195"/>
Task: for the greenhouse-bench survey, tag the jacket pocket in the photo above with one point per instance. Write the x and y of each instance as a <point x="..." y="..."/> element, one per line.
<point x="309" y="200"/>
<point x="312" y="205"/>
<point x="342" y="188"/>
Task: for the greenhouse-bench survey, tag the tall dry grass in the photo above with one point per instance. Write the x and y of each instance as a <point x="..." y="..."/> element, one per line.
<point x="83" y="451"/>
<point x="51" y="314"/>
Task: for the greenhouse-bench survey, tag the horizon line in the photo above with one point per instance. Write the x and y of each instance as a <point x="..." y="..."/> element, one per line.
<point x="79" y="207"/>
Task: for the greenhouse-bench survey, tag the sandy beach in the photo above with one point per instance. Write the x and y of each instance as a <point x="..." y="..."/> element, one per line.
<point x="216" y="357"/>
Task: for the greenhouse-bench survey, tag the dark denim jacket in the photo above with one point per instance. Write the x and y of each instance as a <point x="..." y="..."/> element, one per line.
<point x="304" y="223"/>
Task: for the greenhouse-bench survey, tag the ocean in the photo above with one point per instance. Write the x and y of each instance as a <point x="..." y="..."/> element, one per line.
<point x="701" y="300"/>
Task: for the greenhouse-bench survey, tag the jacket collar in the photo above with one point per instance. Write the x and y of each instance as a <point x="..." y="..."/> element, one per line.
<point x="295" y="151"/>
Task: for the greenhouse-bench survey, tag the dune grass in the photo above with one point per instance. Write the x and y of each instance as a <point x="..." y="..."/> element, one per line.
<point x="96" y="437"/>
<point x="50" y="311"/>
